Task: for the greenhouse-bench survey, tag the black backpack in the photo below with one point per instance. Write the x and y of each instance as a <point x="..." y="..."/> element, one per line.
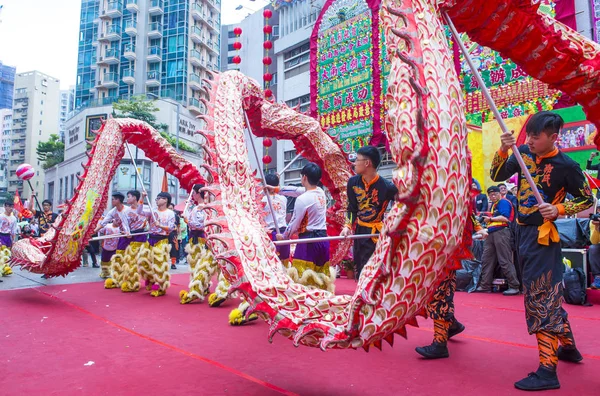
<point x="574" y="287"/>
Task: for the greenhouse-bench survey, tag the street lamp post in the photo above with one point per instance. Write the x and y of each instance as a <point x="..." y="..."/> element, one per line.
<point x="177" y="120"/>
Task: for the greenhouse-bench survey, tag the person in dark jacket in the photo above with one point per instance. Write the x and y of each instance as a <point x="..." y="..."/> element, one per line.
<point x="481" y="200"/>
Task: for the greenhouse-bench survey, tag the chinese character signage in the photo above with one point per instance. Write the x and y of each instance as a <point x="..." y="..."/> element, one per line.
<point x="596" y="20"/>
<point x="345" y="81"/>
<point x="514" y="92"/>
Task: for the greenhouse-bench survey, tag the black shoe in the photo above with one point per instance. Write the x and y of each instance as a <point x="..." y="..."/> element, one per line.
<point x="569" y="354"/>
<point x="173" y="266"/>
<point x="44" y="276"/>
<point x="95" y="266"/>
<point x="542" y="379"/>
<point x="511" y="292"/>
<point x="455" y="328"/>
<point x="433" y="351"/>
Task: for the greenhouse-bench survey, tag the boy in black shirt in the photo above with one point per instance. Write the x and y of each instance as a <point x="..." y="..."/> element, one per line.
<point x="368" y="198"/>
<point x="538" y="242"/>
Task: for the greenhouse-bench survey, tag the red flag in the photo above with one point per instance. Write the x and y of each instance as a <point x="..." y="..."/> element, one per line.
<point x="17" y="202"/>
<point x="594" y="183"/>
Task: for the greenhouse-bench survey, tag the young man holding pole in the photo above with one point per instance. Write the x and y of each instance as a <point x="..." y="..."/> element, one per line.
<point x="158" y="249"/>
<point x="8" y="235"/>
<point x="310" y="262"/>
<point x="538" y="241"/>
<point x="368" y="198"/>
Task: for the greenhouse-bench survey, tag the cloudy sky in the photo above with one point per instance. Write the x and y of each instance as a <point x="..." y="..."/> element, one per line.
<point x="42" y="34"/>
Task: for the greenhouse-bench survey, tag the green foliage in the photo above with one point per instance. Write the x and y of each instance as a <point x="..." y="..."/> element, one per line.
<point x="52" y="152"/>
<point x="139" y="108"/>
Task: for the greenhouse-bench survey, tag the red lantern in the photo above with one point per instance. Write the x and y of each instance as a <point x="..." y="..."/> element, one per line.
<point x="268" y="44"/>
<point x="268" y="93"/>
<point x="268" y="29"/>
<point x="267" y="60"/>
<point x="237" y="45"/>
<point x="267" y="159"/>
<point x="267" y="142"/>
<point x="267" y="14"/>
<point x="237" y="60"/>
<point x="237" y="31"/>
<point x="267" y="76"/>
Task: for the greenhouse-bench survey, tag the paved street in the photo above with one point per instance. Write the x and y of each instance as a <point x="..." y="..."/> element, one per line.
<point x="24" y="279"/>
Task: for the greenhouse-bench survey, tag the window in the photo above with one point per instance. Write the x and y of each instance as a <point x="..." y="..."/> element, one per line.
<point x="230" y="34"/>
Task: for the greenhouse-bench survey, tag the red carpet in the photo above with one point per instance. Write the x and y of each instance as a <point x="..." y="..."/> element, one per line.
<point x="142" y="345"/>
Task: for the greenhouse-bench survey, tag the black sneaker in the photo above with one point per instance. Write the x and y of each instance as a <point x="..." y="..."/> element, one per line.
<point x="433" y="351"/>
<point x="455" y="328"/>
<point x="173" y="266"/>
<point x="542" y="379"/>
<point x="569" y="354"/>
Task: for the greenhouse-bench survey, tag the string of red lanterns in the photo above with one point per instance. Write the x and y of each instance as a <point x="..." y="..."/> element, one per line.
<point x="267" y="77"/>
<point x="237" y="59"/>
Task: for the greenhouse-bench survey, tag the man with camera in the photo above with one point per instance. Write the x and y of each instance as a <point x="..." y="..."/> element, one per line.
<point x="594" y="252"/>
<point x="498" y="248"/>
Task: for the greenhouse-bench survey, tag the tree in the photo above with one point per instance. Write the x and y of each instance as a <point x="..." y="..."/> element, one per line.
<point x="139" y="108"/>
<point x="52" y="152"/>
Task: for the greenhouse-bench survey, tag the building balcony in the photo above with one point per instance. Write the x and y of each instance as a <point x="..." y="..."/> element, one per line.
<point x="129" y="76"/>
<point x="129" y="52"/>
<point x="153" y="79"/>
<point x="154" y="54"/>
<point x="110" y="80"/>
<point x="112" y="56"/>
<point x="94" y="63"/>
<point x="196" y="58"/>
<point x="195" y="107"/>
<point x="212" y="25"/>
<point x="195" y="82"/>
<point x="132" y="6"/>
<point x="198" y="12"/>
<point x="131" y="28"/>
<point x="113" y="33"/>
<point x="155" y="30"/>
<point x="196" y="34"/>
<point x="156" y="7"/>
<point x="114" y="9"/>
<point x="215" y="5"/>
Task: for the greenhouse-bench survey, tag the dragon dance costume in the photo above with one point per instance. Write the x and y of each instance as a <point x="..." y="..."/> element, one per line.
<point x="124" y="263"/>
<point x="199" y="257"/>
<point x="109" y="246"/>
<point x="154" y="254"/>
<point x="367" y="203"/>
<point x="538" y="243"/>
<point x="310" y="261"/>
<point x="8" y="231"/>
<point x="441" y="307"/>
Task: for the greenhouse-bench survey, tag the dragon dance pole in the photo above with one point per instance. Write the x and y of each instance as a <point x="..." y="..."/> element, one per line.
<point x="262" y="175"/>
<point x="490" y="100"/>
<point x="290" y="164"/>
<point x="140" y="180"/>
<point x="115" y="236"/>
<point x="325" y="239"/>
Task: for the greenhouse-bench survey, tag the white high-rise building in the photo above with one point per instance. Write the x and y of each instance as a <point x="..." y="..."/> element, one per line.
<point x="67" y="105"/>
<point x="251" y="54"/>
<point x="5" y="142"/>
<point x="36" y="112"/>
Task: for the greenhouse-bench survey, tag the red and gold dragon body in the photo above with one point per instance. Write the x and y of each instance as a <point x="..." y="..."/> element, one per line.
<point x="425" y="125"/>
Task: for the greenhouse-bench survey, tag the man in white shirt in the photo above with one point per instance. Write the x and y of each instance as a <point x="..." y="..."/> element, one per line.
<point x="8" y="235"/>
<point x="310" y="262"/>
<point x="279" y="203"/>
